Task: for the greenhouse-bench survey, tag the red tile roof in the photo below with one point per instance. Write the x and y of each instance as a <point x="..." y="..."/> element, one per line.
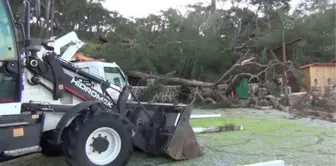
<point x="318" y="64"/>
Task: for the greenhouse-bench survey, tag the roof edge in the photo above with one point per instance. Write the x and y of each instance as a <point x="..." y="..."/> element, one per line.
<point x="318" y="64"/>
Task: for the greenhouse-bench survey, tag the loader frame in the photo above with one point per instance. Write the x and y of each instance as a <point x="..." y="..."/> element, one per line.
<point x="146" y="140"/>
<point x="152" y="133"/>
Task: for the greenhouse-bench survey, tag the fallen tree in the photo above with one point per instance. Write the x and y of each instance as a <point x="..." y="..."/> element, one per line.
<point x="211" y="92"/>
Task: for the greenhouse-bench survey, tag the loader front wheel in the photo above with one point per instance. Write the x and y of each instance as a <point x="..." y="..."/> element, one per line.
<point x="98" y="139"/>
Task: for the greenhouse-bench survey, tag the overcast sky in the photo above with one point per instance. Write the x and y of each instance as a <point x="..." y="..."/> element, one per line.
<point x="141" y="8"/>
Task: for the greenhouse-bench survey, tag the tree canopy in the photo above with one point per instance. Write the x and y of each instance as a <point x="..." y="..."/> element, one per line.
<point x="201" y="44"/>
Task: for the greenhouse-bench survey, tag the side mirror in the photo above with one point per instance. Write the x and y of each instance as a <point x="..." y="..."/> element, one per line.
<point x="38" y="7"/>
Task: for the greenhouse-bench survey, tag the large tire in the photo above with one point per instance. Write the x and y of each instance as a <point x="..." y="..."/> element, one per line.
<point x="112" y="127"/>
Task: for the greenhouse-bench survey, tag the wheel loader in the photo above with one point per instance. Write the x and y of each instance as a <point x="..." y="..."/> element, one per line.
<point x="47" y="106"/>
<point x="106" y="70"/>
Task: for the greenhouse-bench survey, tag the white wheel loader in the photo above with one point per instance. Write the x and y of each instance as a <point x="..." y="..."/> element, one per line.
<point x="106" y="70"/>
<point x="47" y="105"/>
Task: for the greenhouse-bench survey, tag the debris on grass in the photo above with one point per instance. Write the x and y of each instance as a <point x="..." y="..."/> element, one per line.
<point x="228" y="127"/>
<point x="200" y="116"/>
<point x="264" y="107"/>
<point x="269" y="163"/>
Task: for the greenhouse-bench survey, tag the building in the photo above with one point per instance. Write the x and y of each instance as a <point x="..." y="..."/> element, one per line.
<point x="320" y="76"/>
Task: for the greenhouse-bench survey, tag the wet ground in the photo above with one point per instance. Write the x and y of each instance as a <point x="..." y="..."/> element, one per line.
<point x="267" y="135"/>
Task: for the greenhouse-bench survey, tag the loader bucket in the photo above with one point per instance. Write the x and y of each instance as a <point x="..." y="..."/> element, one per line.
<point x="183" y="143"/>
<point x="166" y="133"/>
<point x="160" y="128"/>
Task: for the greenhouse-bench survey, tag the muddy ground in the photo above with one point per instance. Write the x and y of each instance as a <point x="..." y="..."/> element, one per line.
<point x="267" y="135"/>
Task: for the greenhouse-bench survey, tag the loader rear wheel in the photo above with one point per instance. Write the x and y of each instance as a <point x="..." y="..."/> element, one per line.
<point x="98" y="138"/>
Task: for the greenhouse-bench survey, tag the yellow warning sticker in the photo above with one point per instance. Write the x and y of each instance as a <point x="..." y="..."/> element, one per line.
<point x="18" y="132"/>
<point x="35" y="116"/>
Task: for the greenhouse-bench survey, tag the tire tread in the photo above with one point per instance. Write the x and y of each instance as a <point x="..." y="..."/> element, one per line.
<point x="71" y="137"/>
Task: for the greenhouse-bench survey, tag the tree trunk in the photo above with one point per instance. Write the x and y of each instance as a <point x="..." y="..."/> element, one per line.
<point x="213" y="6"/>
<point x="52" y="15"/>
<point x="44" y="26"/>
<point x="268" y="14"/>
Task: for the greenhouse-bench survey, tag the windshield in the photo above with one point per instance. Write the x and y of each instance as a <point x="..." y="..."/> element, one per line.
<point x="7" y="43"/>
<point x="8" y="88"/>
<point x="114" y="75"/>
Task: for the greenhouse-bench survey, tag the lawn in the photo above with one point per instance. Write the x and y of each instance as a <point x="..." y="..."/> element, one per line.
<point x="262" y="139"/>
<point x="270" y="131"/>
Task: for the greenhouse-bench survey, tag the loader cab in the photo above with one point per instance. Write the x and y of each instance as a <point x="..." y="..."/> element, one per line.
<point x="108" y="71"/>
<point x="9" y="57"/>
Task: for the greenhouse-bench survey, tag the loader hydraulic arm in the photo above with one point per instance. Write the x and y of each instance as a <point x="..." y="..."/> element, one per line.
<point x="75" y="44"/>
<point x="49" y="68"/>
<point x="70" y="39"/>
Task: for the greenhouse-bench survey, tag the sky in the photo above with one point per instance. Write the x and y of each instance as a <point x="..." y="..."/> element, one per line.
<point x="142" y="8"/>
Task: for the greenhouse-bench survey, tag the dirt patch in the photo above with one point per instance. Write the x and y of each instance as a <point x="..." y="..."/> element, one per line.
<point x="315" y="114"/>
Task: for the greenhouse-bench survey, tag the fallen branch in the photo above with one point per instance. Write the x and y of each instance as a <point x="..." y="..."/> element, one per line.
<point x="238" y="63"/>
<point x="209" y="92"/>
<point x="245" y="60"/>
<point x="176" y="80"/>
<point x="204" y="100"/>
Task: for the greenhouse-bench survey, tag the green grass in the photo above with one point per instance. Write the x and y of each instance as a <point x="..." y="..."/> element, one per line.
<point x="213" y="106"/>
<point x="262" y="139"/>
<point x="272" y="131"/>
<point x="253" y="124"/>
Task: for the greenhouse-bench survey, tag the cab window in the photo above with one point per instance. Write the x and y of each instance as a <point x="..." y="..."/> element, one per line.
<point x="114" y="76"/>
<point x="7" y="40"/>
<point x="8" y="88"/>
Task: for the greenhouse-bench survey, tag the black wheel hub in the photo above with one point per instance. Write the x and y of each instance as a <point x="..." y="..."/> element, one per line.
<point x="100" y="144"/>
